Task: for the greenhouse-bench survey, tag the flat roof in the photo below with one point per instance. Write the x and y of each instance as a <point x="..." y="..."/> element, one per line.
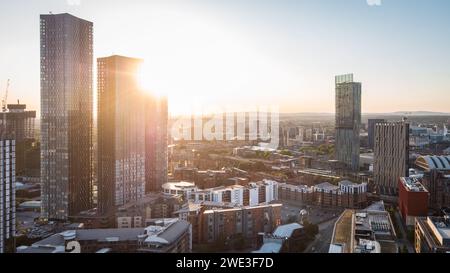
<point x="171" y="229"/>
<point x="433" y="162"/>
<point x="342" y="233"/>
<point x="178" y="185"/>
<point x="286" y="230"/>
<point x="326" y="186"/>
<point x="336" y="248"/>
<point x="413" y="184"/>
<point x="442" y="227"/>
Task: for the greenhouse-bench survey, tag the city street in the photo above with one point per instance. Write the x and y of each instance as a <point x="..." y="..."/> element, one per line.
<point x="316" y="215"/>
<point x="322" y="242"/>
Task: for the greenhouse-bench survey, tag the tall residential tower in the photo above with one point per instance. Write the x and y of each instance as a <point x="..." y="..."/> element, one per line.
<point x="121" y="133"/>
<point x="348" y="120"/>
<point x="7" y="192"/>
<point x="66" y="115"/>
<point x="391" y="155"/>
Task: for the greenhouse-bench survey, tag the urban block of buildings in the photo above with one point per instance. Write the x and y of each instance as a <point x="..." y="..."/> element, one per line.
<point x="346" y="194"/>
<point x="436" y="179"/>
<point x="364" y="231"/>
<point x="212" y="221"/>
<point x="252" y="194"/>
<point x="432" y="235"/>
<point x="163" y="236"/>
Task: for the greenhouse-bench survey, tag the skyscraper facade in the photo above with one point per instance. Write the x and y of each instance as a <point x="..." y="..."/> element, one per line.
<point x="19" y="125"/>
<point x="156" y="143"/>
<point x="66" y="115"/>
<point x="348" y="121"/>
<point x="121" y="133"/>
<point x="391" y="156"/>
<point x="371" y="131"/>
<point x="7" y="192"/>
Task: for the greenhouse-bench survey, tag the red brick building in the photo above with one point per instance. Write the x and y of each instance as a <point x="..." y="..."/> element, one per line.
<point x="413" y="199"/>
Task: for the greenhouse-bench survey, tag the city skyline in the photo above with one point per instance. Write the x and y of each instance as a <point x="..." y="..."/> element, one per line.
<point x="187" y="58"/>
<point x="207" y="126"/>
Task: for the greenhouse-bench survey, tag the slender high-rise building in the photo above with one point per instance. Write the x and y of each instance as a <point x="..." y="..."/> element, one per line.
<point x="7" y="192"/>
<point x="156" y="143"/>
<point x="66" y="115"/>
<point x="121" y="133"/>
<point x="348" y="120"/>
<point x="391" y="155"/>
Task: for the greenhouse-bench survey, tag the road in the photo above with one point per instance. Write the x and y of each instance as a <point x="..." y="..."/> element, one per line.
<point x="403" y="238"/>
<point x="323" y="217"/>
<point x="316" y="215"/>
<point x="321" y="243"/>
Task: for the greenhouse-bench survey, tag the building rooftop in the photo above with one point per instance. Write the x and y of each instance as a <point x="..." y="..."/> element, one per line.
<point x="368" y="246"/>
<point x="30" y="204"/>
<point x="364" y="231"/>
<point x="442" y="226"/>
<point x="165" y="231"/>
<point x="342" y="233"/>
<point x="413" y="184"/>
<point x="319" y="172"/>
<point x="326" y="186"/>
<point x="295" y="187"/>
<point x="436" y="231"/>
<point x="178" y="185"/>
<point x="336" y="249"/>
<point x="40" y="249"/>
<point x="166" y="234"/>
<point x="285" y="231"/>
<point x="240" y="208"/>
<point x="433" y="162"/>
<point x="148" y="198"/>
<point x="347" y="183"/>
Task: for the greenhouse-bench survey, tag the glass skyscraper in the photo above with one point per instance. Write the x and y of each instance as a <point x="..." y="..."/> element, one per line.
<point x="121" y="133"/>
<point x="348" y="121"/>
<point x="66" y="115"/>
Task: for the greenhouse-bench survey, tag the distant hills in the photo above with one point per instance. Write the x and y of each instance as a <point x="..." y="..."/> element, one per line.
<point x="399" y="113"/>
<point x="420" y="113"/>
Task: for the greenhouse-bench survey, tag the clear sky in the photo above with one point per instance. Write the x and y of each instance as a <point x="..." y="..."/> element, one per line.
<point x="253" y="52"/>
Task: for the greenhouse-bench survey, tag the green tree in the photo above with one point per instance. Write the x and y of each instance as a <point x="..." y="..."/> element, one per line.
<point x="311" y="230"/>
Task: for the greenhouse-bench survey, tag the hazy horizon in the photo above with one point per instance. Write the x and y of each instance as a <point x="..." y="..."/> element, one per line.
<point x="249" y="53"/>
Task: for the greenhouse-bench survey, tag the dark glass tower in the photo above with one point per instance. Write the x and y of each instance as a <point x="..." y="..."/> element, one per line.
<point x="66" y="115"/>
